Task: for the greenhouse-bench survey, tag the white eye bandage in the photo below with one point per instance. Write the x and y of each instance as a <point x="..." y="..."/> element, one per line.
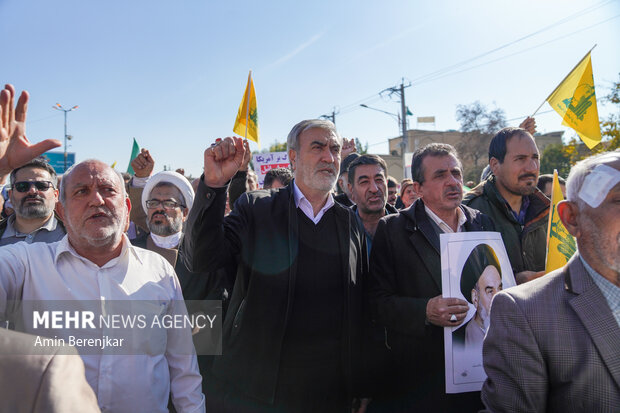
<point x="597" y="184"/>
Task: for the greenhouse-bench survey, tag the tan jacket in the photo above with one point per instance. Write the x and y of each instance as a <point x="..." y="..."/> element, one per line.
<point x="46" y="382"/>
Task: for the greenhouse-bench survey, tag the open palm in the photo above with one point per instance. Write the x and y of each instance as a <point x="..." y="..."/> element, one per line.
<point x="15" y="149"/>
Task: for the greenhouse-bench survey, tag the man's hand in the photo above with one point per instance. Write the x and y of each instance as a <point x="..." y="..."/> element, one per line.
<point x="15" y="150"/>
<point x="525" y="276"/>
<point x="222" y="161"/>
<point x="143" y="164"/>
<point x="439" y="311"/>
<point x="529" y="124"/>
<point x="348" y="147"/>
<point x="247" y="157"/>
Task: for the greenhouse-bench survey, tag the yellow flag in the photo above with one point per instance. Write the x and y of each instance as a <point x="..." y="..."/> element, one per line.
<point x="560" y="244"/>
<point x="113" y="165"/>
<point x="246" y="123"/>
<point x="574" y="99"/>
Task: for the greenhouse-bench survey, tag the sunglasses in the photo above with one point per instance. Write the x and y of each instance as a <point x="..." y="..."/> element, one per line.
<point x="24" y="186"/>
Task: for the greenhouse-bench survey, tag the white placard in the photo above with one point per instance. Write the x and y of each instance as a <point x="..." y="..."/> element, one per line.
<point x="266" y="161"/>
<point x="472" y="264"/>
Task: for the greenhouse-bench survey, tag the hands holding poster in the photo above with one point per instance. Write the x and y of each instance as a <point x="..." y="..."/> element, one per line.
<point x="474" y="267"/>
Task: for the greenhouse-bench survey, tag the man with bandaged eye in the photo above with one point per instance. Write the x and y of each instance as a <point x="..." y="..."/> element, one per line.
<point x="552" y="344"/>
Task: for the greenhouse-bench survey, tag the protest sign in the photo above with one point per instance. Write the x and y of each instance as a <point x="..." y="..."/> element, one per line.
<point x="266" y="161"/>
<point x="474" y="267"/>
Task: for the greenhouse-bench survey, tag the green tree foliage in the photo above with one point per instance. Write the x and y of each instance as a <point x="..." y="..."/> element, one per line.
<point x="361" y="149"/>
<point x="555" y="157"/>
<point x="478" y="125"/>
<point x="278" y="147"/>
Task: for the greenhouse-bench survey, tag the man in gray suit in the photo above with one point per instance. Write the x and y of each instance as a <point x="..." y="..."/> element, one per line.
<point x="50" y="382"/>
<point x="554" y="343"/>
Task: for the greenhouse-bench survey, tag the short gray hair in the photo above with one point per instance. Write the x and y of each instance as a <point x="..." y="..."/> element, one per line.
<point x="62" y="195"/>
<point x="582" y="169"/>
<point x="292" y="141"/>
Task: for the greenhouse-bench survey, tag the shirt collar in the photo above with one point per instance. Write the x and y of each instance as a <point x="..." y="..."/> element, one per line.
<point x="442" y="224"/>
<point x="10" y="231"/>
<point x="64" y="247"/>
<point x="302" y="203"/>
<point x="519" y="216"/>
<point x="610" y="291"/>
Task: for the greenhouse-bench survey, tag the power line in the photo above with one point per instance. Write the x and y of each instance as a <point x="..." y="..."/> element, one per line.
<point x="442" y="72"/>
<point x="559" y="22"/>
<point x="55" y="115"/>
<point x="516" y="53"/>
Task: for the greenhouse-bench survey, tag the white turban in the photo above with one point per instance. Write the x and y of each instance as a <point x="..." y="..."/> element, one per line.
<point x="174" y="178"/>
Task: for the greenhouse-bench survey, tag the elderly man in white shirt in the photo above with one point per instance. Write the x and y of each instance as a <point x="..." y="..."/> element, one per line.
<point x="95" y="261"/>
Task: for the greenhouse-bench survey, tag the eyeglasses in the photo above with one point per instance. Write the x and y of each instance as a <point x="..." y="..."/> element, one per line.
<point x="24" y="186"/>
<point x="168" y="203"/>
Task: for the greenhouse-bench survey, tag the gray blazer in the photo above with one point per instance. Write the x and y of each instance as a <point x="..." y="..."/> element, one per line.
<point x="43" y="383"/>
<point x="553" y="345"/>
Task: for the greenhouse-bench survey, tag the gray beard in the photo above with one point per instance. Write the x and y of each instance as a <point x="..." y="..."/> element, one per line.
<point x="165" y="229"/>
<point x="33" y="211"/>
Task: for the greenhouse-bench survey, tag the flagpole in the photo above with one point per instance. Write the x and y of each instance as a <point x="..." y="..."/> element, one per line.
<point x="559" y="84"/>
<point x="247" y="105"/>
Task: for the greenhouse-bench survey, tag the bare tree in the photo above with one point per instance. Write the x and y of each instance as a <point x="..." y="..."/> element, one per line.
<point x="478" y="125"/>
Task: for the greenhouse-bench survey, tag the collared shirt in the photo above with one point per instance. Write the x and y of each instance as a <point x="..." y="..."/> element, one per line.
<point x="520" y="216"/>
<point x="50" y="231"/>
<point x="368" y="234"/>
<point x="302" y="203"/>
<point x="610" y="291"/>
<point x="127" y="383"/>
<point x="442" y="224"/>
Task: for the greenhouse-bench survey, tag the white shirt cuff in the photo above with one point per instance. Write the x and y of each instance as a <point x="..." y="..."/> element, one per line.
<point x="138" y="182"/>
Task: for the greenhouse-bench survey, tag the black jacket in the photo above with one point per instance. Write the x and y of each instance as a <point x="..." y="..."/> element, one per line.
<point x="259" y="236"/>
<point x="405" y="268"/>
<point x="343" y="200"/>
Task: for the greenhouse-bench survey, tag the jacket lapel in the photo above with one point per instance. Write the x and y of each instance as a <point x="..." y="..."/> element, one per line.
<point x="592" y="309"/>
<point x="343" y="229"/>
<point x="422" y="237"/>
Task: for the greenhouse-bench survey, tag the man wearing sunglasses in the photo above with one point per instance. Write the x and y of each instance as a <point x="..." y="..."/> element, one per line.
<point x="33" y="193"/>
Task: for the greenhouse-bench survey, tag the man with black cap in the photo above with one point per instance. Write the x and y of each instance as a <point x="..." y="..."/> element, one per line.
<point x="343" y="181"/>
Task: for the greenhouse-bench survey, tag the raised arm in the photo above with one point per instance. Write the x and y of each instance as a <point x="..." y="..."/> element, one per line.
<point x="15" y="149"/>
<point x="208" y="242"/>
<point x="142" y="165"/>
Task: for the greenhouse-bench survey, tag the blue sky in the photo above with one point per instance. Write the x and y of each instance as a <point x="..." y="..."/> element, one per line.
<point x="172" y="74"/>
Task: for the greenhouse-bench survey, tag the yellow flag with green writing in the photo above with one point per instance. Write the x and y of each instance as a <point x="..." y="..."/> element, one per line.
<point x="560" y="244"/>
<point x="575" y="101"/>
<point x="246" y="123"/>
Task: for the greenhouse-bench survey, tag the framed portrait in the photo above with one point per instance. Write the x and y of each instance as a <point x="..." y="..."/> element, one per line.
<point x="474" y="267"/>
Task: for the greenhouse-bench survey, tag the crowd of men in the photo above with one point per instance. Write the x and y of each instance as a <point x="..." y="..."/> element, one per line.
<point x="331" y="303"/>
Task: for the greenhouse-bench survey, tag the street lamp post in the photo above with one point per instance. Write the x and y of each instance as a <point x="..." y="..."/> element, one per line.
<point x="58" y="106"/>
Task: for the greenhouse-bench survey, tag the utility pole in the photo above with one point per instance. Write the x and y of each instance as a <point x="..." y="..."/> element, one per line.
<point x="331" y="116"/>
<point x="400" y="90"/>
